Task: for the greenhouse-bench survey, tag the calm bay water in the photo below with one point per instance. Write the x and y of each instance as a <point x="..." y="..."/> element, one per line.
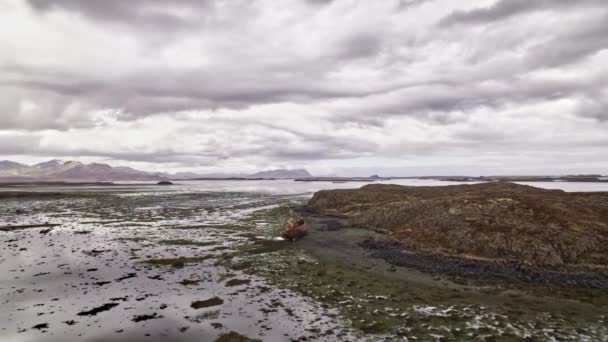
<point x="291" y="187"/>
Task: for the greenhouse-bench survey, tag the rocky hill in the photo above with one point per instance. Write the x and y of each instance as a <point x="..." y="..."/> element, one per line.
<point x="269" y="174"/>
<point x="281" y="173"/>
<point x="495" y="221"/>
<point x="57" y="170"/>
<point x="71" y="170"/>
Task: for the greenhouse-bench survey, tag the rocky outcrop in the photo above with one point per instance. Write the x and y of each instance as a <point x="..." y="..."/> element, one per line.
<point x="494" y="221"/>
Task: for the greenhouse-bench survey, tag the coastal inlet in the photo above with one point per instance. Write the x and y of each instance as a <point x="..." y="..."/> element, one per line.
<point x="152" y="264"/>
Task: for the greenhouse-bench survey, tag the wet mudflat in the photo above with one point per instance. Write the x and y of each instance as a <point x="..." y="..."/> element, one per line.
<point x="182" y="266"/>
<point x="146" y="266"/>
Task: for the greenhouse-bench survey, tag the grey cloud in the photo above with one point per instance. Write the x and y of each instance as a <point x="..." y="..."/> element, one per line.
<point x="32" y="110"/>
<point x="160" y="155"/>
<point x="363" y="72"/>
<point x="436" y="101"/>
<point x="156" y="91"/>
<point x="505" y="9"/>
<point x="297" y="144"/>
<point x="360" y="45"/>
<point x="151" y="13"/>
<point x="594" y="108"/>
<point x="161" y="89"/>
<point x="13" y="144"/>
<point x="575" y="44"/>
<point x="320" y="2"/>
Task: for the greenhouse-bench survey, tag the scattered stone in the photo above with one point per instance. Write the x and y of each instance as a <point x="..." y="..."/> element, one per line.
<point x="96" y="252"/>
<point x="123" y="299"/>
<point x="237" y="282"/>
<point x="141" y="318"/>
<point x="12" y="228"/>
<point x="207" y="303"/>
<point x="128" y="276"/>
<point x="187" y="282"/>
<point x="41" y="326"/>
<point x="101" y="283"/>
<point x="46" y="231"/>
<point x="95" y="311"/>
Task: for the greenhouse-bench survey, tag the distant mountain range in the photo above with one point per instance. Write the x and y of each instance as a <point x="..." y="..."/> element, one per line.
<point x="77" y="171"/>
<point x="270" y="174"/>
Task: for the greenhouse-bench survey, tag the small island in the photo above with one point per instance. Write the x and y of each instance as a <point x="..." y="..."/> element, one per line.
<point x="496" y="229"/>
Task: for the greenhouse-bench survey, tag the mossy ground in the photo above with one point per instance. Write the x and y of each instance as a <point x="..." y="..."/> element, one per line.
<point x="185" y="242"/>
<point x="175" y="261"/>
<point x="234" y="337"/>
<point x="373" y="305"/>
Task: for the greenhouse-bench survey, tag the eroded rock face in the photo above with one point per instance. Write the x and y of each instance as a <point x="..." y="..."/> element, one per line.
<point x="497" y="220"/>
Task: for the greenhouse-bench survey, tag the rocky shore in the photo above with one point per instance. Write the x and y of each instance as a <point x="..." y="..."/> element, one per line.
<point x="492" y="230"/>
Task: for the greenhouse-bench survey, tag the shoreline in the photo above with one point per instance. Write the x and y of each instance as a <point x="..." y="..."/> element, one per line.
<point x="332" y="239"/>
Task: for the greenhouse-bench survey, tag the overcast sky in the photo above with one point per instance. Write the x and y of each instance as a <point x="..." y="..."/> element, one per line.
<point x="403" y="87"/>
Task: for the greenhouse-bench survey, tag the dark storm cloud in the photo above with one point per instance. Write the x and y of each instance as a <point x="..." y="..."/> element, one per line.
<point x="505" y="9"/>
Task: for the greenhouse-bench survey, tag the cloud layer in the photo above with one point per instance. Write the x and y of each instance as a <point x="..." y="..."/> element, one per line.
<point x="341" y="86"/>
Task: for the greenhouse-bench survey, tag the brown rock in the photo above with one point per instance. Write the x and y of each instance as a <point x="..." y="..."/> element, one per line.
<point x="495" y="221"/>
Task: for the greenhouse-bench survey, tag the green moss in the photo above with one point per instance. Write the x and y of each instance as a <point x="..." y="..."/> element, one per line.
<point x="234" y="337"/>
<point x="134" y="239"/>
<point x="238" y="227"/>
<point x="263" y="247"/>
<point x="237" y="282"/>
<point x="175" y="261"/>
<point x="184" y="242"/>
<point x="241" y="266"/>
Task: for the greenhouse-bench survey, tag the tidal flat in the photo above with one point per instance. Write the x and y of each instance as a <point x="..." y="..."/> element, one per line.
<point x="207" y="265"/>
